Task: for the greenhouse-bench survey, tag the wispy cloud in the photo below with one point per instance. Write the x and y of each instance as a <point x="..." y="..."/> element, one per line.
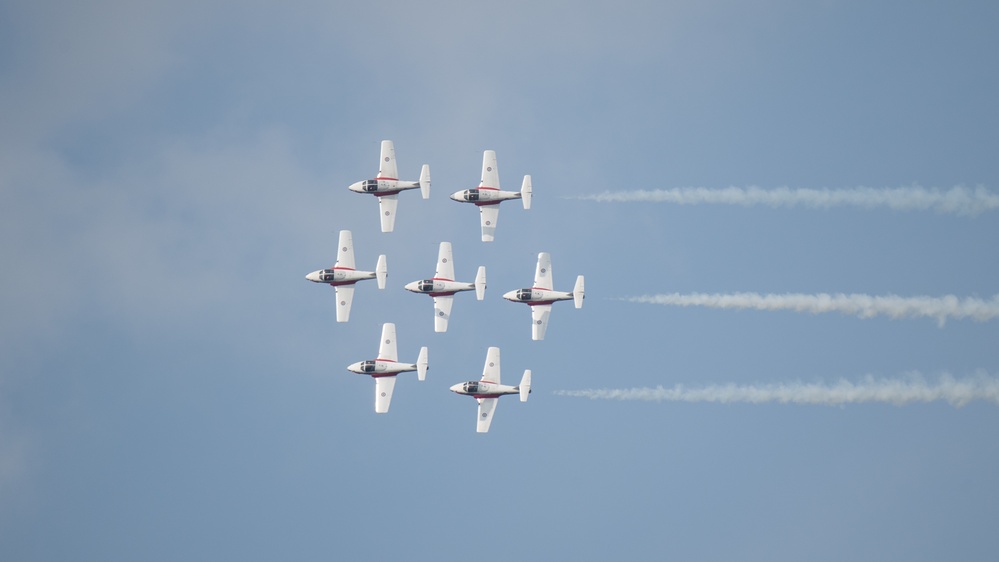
<point x="863" y="306"/>
<point x="898" y="391"/>
<point x="958" y="200"/>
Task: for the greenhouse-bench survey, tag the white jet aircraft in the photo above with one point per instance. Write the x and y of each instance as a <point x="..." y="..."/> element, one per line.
<point x="385" y="368"/>
<point x="443" y="286"/>
<point x="343" y="276"/>
<point x="488" y="195"/>
<point x="541" y="296"/>
<point x="386" y="185"/>
<point x="488" y="390"/>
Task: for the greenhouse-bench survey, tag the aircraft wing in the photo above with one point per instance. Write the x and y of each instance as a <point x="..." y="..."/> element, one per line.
<point x="491" y="370"/>
<point x="442" y="312"/>
<point x="345" y="252"/>
<point x="386" y="348"/>
<point x="445" y="263"/>
<point x="488" y="214"/>
<point x="344" y="296"/>
<point x="386" y="206"/>
<point x="387" y="168"/>
<point x="487" y="406"/>
<point x="543" y="273"/>
<point x="383" y="393"/>
<point x="490" y="172"/>
<point x="539" y="314"/>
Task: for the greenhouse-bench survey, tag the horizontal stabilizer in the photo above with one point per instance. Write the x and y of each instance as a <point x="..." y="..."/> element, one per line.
<point x="480" y="283"/>
<point x="526" y="192"/>
<point x="425" y="181"/>
<point x="525" y="385"/>
<point x="577" y="292"/>
<point x="381" y="271"/>
<point x="422" y="364"/>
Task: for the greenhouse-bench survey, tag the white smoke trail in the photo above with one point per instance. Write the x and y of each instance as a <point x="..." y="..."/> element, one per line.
<point x="958" y="200"/>
<point x="864" y="306"/>
<point x="913" y="388"/>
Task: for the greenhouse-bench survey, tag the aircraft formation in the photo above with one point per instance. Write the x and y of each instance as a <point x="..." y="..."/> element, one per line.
<point x="442" y="287"/>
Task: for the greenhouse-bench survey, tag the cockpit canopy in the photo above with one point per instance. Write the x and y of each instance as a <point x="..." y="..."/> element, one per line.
<point x="472" y="386"/>
<point x="524" y="294"/>
<point x="426" y="285"/>
<point x="328" y="275"/>
<point x="471" y="195"/>
<point x="368" y="366"/>
<point x="370" y="185"/>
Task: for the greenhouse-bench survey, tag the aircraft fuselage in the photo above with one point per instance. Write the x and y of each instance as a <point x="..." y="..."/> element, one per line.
<point x="439" y="287"/>
<point x="380" y="368"/>
<point x="534" y="296"/>
<point x="382" y="186"/>
<point x="339" y="276"/>
<point x="484" y="196"/>
<point x="484" y="389"/>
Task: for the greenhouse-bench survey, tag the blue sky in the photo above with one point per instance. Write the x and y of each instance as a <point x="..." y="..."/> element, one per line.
<point x="172" y="387"/>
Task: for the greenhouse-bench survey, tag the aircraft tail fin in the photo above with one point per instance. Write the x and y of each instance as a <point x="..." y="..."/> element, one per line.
<point x="381" y="271"/>
<point x="480" y="283"/>
<point x="422" y="364"/>
<point x="526" y="191"/>
<point x="425" y="181"/>
<point x="577" y="292"/>
<point x="525" y="385"/>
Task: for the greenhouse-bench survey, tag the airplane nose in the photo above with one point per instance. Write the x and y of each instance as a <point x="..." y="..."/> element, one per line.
<point x="456" y="196"/>
<point x="356" y="186"/>
<point x="455" y="388"/>
<point x="314" y="276"/>
<point x="411" y="286"/>
<point x="511" y="295"/>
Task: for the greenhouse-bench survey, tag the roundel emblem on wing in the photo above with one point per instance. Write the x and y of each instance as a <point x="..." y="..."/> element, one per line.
<point x="491" y="364"/>
<point x="383" y="395"/>
<point x="538" y="322"/>
<point x="441" y="314"/>
<point x="543" y="270"/>
<point x="444" y="260"/>
<point x="344" y="249"/>
<point x="489" y="223"/>
<point x="386" y="158"/>
<point x="489" y="168"/>
<point x="388" y="341"/>
<point x="386" y="213"/>
<point x="484" y="415"/>
<point x="343" y="303"/>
